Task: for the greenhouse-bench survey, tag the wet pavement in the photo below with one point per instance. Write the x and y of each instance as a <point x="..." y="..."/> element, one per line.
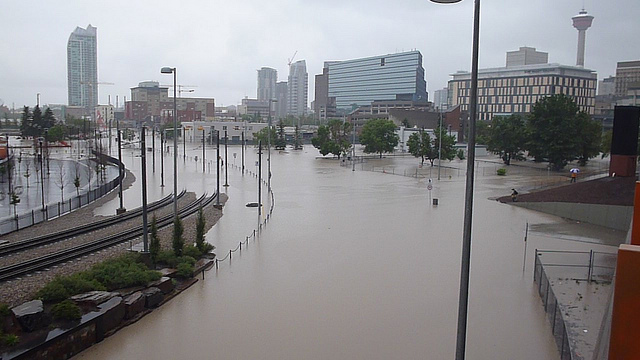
<point x="352" y="264"/>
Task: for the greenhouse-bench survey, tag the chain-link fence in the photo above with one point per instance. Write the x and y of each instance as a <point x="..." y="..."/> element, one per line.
<point x="53" y="210"/>
<point x="574" y="265"/>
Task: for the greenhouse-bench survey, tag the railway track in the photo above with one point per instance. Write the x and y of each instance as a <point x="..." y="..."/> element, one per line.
<point x="62" y="256"/>
<point x="17" y="246"/>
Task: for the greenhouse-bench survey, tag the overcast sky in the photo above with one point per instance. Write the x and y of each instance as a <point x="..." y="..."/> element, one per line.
<point x="217" y="45"/>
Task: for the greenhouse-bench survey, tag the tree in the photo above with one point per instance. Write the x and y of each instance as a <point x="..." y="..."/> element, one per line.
<point x="605" y="143"/>
<point x="48" y="119"/>
<point x="60" y="180"/>
<point x="178" y="241"/>
<point x="37" y="122"/>
<point x="26" y="174"/>
<point x="405" y="122"/>
<point x="590" y="138"/>
<point x="333" y="138"/>
<point x="201" y="223"/>
<point x="552" y="131"/>
<point x="57" y="133"/>
<point x="420" y="145"/>
<point x="507" y="137"/>
<point x="26" y="126"/>
<point x="263" y="135"/>
<point x="448" y="150"/>
<point x="322" y="141"/>
<point x="379" y="136"/>
<point x="154" y="246"/>
<point x="483" y="132"/>
<point x="76" y="178"/>
<point x="281" y="141"/>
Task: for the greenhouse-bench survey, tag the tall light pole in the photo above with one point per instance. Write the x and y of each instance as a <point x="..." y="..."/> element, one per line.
<point x="169" y="70"/>
<point x="439" y="143"/>
<point x="145" y="230"/>
<point x="120" y="168"/>
<point x="226" y="161"/>
<point x="269" y="148"/>
<point x="463" y="301"/>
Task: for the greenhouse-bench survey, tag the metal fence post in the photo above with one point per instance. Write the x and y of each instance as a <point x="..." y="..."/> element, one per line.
<point x="590" y="265"/>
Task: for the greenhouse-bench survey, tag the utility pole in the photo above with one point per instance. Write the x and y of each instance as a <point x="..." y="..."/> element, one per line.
<point x="259" y="179"/>
<point x="145" y="230"/>
<point x="203" y="151"/>
<point x="218" y="168"/>
<point x="120" y="168"/>
<point x="162" y="159"/>
<point x="226" y="161"/>
<point x="153" y="148"/>
<point x="242" y="148"/>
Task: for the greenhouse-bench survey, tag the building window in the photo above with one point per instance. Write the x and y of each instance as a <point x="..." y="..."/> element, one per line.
<point x="382" y="62"/>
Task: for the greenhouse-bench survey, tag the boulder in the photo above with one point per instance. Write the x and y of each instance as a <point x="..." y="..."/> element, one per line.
<point x="153" y="297"/>
<point x="114" y="311"/>
<point x="30" y="315"/>
<point x="164" y="284"/>
<point x="133" y="304"/>
<point x="93" y="298"/>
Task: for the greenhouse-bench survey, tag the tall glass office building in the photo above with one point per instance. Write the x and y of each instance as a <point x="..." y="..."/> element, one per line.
<point x="82" y="68"/>
<point x="379" y="78"/>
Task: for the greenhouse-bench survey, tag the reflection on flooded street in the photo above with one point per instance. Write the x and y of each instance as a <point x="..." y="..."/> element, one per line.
<point x="352" y="265"/>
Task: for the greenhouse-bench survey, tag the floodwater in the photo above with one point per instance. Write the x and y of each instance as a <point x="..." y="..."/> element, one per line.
<point x="351" y="265"/>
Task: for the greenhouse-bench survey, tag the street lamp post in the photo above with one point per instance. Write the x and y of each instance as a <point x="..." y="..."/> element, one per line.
<point x="203" y="151"/>
<point x="226" y="161"/>
<point x="169" y="70"/>
<point x="439" y="143"/>
<point x="463" y="301"/>
<point x="120" y="168"/>
<point x="42" y="176"/>
<point x="269" y="148"/>
<point x="218" y="168"/>
<point x="145" y="230"/>
<point x="162" y="158"/>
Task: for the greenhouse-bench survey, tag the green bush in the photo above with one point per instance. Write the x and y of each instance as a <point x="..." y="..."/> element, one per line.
<point x="185" y="270"/>
<point x="178" y="241"/>
<point x="168" y="258"/>
<point x="460" y="154"/>
<point x="186" y="259"/>
<point x="4" y="310"/>
<point x="52" y="292"/>
<point x="502" y="172"/>
<point x="66" y="310"/>
<point x="11" y="339"/>
<point x="122" y="272"/>
<point x="190" y="250"/>
<point x="207" y="248"/>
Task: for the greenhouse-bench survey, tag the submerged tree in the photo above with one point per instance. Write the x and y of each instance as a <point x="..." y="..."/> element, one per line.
<point x="379" y="136"/>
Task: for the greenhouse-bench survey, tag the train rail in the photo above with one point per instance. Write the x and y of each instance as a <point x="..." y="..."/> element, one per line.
<point x="46" y="261"/>
<point x="18" y="246"/>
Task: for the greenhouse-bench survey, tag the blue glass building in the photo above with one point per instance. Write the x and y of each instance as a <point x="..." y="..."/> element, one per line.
<point x="380" y="78"/>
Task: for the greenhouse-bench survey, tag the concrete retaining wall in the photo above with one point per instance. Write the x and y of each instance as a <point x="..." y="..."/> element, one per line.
<point x="611" y="216"/>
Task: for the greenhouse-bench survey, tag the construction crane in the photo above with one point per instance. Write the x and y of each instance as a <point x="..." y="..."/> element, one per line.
<point x="289" y="61"/>
<point x="181" y="90"/>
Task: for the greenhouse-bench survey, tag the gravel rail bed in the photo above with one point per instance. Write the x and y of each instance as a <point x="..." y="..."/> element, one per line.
<point x="16" y="291"/>
<point x="88" y="237"/>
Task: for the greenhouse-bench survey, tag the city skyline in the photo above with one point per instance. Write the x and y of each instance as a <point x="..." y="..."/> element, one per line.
<point x="136" y="43"/>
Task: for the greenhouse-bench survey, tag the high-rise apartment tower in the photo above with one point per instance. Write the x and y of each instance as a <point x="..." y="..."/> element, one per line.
<point x="267" y="78"/>
<point x="297" y="89"/>
<point x="82" y="68"/>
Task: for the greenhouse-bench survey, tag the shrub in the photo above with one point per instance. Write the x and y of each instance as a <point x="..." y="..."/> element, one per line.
<point x="501" y="172"/>
<point x="52" y="292"/>
<point x="66" y="310"/>
<point x="186" y="259"/>
<point x="178" y="241"/>
<point x="154" y="247"/>
<point x="191" y="251"/>
<point x="207" y="248"/>
<point x="200" y="225"/>
<point x="168" y="258"/>
<point x="122" y="272"/>
<point x="4" y="310"/>
<point x="11" y="339"/>
<point x="460" y="154"/>
<point x="185" y="270"/>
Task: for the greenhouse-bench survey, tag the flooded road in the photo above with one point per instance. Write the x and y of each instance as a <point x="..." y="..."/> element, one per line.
<point x="352" y="265"/>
